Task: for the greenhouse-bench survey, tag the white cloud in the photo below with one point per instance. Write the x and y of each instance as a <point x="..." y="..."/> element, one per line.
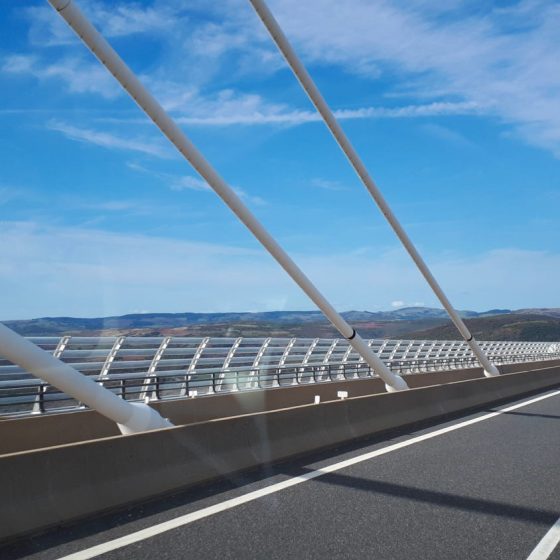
<point x="114" y="19"/>
<point x="226" y="107"/>
<point x="117" y="206"/>
<point x="502" y="61"/>
<point x="448" y="135"/>
<point x="398" y="303"/>
<point x="327" y="184"/>
<point x="131" y="18"/>
<point x="188" y="182"/>
<point x="254" y="110"/>
<point x="109" y="140"/>
<point x="428" y="110"/>
<point x="249" y="198"/>
<point x="73" y="271"/>
<point x="77" y="74"/>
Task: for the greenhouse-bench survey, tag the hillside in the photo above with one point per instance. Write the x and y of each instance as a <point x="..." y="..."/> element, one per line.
<point x="514" y="326"/>
<point x="323" y="329"/>
<point x="219" y="322"/>
<point x="408" y="322"/>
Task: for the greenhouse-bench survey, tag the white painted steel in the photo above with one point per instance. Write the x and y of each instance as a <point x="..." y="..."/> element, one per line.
<point x="330" y="120"/>
<point x="194" y="355"/>
<point x="112" y="355"/>
<point x="188" y="363"/>
<point x="61" y="346"/>
<point x="192" y="366"/>
<point x="110" y="59"/>
<point x="147" y="385"/>
<point x="258" y="358"/>
<point x="58" y="351"/>
<point x="131" y="417"/>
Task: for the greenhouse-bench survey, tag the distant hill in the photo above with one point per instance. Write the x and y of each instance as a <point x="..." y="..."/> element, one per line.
<point x="513" y="326"/>
<point x="45" y="326"/>
<point x="417" y="322"/>
<point x="548" y="311"/>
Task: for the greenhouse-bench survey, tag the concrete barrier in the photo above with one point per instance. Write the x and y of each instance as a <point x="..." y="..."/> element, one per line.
<point x="47" y="487"/>
<point x="49" y="430"/>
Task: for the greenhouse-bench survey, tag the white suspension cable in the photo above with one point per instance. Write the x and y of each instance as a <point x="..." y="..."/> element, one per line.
<point x="110" y="59"/>
<point x="130" y="417"/>
<point x="342" y="140"/>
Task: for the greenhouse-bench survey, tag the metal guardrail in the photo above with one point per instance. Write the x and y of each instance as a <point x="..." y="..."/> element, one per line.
<point x="139" y="368"/>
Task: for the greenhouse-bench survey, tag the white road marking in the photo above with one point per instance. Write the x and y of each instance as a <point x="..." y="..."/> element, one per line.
<point x="188" y="518"/>
<point x="547" y="544"/>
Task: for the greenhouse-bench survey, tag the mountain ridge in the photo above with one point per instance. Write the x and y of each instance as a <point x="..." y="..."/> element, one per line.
<point x="149" y="323"/>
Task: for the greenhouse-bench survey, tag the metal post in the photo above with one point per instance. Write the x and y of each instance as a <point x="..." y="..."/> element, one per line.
<point x="109" y="58"/>
<point x="317" y="99"/>
<point x="130" y="417"/>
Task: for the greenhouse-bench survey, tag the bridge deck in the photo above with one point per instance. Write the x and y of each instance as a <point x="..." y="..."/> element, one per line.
<point x="482" y="486"/>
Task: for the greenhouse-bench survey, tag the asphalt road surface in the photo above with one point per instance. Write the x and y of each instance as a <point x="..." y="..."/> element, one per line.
<point x="483" y="486"/>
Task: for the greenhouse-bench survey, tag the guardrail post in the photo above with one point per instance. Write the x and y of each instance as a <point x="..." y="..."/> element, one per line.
<point x="40" y="402"/>
<point x="130" y="417"/>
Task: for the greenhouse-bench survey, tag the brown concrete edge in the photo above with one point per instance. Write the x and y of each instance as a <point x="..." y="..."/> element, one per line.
<point x="49" y="487"/>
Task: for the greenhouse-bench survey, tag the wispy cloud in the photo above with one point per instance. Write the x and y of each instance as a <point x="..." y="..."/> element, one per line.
<point x="446" y="134"/>
<point x="502" y="61"/>
<point x="262" y="113"/>
<point x="327" y="184"/>
<point x="77" y="74"/>
<point x="192" y="105"/>
<point x="187" y="182"/>
<point x="48" y="269"/>
<point x="400" y="303"/>
<point x="115" y="19"/>
<point x="190" y="183"/>
<point x="116" y="206"/>
<point x="109" y="140"/>
<point x="497" y="62"/>
<point x="250" y="198"/>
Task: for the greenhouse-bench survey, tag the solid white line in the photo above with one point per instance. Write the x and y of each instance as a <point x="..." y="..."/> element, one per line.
<point x="279" y="486"/>
<point x="547" y="544"/>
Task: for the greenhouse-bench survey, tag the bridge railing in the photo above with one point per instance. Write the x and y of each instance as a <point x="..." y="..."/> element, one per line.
<point x="140" y="368"/>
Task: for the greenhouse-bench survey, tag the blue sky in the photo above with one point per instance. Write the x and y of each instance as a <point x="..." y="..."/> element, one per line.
<point x="454" y="107"/>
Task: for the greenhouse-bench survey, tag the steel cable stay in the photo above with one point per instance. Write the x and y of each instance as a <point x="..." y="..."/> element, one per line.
<point x="97" y="44"/>
<point x="304" y="78"/>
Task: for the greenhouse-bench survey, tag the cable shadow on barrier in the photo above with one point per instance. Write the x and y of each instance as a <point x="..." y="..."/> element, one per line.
<point x="441" y="499"/>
